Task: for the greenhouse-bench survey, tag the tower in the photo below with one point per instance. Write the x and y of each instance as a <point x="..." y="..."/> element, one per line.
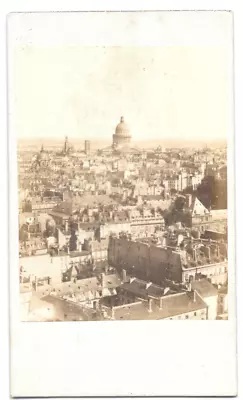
<point x="65" y="150"/>
<point x="87" y="147"/>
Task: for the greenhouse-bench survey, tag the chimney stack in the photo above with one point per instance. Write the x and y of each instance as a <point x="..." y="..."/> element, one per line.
<point x="194" y="296"/>
<point x="124" y="275"/>
<point x="66" y="226"/>
<point x="218" y="251"/>
<point x="102" y="279"/>
<point x="194" y="252"/>
<point x="112" y="312"/>
<point x="208" y="252"/>
<point x="188" y="200"/>
<point x="150" y="305"/>
<point x="95" y="305"/>
<point x="36" y="283"/>
<point x="160" y="303"/>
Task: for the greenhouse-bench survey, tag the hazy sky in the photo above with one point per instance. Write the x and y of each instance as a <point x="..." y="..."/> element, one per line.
<point x="174" y="82"/>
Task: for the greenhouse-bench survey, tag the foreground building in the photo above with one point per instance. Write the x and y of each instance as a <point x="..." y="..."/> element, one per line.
<point x="156" y="262"/>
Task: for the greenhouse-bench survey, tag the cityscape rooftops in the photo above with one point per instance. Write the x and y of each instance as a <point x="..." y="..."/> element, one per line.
<point x="174" y="305"/>
<point x="146" y="289"/>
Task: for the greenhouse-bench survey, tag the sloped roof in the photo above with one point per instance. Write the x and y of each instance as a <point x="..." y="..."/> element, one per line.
<point x="198" y="208"/>
<point x="37" y="303"/>
<point x="172" y="306"/>
<point x="204" y="288"/>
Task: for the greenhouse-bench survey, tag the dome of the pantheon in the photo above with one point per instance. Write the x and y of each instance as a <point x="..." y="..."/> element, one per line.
<point x="122" y="129"/>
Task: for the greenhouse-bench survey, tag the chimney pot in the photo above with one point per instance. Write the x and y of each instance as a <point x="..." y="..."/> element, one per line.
<point x="102" y="279"/>
<point x="150" y="305"/>
<point x="124" y="275"/>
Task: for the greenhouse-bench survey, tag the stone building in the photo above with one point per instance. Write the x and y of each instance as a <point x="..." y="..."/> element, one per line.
<point x="148" y="260"/>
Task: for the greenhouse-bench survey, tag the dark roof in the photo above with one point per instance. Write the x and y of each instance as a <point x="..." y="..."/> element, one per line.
<point x="173" y="305"/>
<point x="144" y="289"/>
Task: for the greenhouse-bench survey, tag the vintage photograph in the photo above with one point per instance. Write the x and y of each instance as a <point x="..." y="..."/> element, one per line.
<point x="122" y="180"/>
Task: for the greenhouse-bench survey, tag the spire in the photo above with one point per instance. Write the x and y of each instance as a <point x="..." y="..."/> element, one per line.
<point x="122" y="119"/>
<point x="42" y="147"/>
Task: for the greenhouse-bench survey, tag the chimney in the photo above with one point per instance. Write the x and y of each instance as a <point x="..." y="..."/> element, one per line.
<point x="188" y="200"/>
<point x="150" y="305"/>
<point x="66" y="225"/>
<point x="95" y="305"/>
<point x="102" y="279"/>
<point x="112" y="312"/>
<point x="218" y="251"/>
<point x="36" y="283"/>
<point x="160" y="303"/>
<point x="194" y="253"/>
<point x="208" y="252"/>
<point x="189" y="287"/>
<point x="124" y="275"/>
<point x="194" y="296"/>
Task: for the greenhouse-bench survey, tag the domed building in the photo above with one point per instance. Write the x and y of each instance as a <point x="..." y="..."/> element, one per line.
<point x="44" y="158"/>
<point x="122" y="136"/>
<point x="121" y="142"/>
<point x="41" y="159"/>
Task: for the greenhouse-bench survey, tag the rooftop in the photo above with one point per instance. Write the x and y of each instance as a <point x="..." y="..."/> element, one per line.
<point x="146" y="289"/>
<point x="173" y="305"/>
<point x="204" y="288"/>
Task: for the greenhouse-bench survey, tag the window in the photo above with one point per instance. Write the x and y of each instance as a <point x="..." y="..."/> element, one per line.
<point x="195" y="314"/>
<point x="186" y="316"/>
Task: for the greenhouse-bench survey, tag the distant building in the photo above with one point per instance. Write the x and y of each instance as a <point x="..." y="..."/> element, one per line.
<point x="122" y="135"/>
<point x="87" y="146"/>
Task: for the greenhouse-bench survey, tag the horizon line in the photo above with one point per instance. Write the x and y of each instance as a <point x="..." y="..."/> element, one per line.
<point x="108" y="139"/>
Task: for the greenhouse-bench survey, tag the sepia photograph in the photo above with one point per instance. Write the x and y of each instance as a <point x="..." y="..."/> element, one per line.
<point x="122" y="181"/>
<point x="121" y="198"/>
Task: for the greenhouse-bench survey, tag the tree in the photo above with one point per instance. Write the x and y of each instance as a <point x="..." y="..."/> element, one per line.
<point x="180" y="203"/>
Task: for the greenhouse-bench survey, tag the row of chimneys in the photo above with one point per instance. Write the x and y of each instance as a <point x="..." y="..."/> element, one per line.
<point x="207" y="253"/>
